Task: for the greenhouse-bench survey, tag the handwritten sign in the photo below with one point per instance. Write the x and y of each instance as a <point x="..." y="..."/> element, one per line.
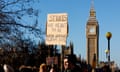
<point x="56" y="31"/>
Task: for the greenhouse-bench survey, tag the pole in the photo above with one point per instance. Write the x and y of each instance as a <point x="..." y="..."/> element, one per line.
<point x="62" y="56"/>
<point x="108" y="36"/>
<point x="109" y="51"/>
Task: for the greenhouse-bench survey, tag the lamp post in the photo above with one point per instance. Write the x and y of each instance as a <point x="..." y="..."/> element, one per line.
<point x="108" y="36"/>
<point x="107" y="52"/>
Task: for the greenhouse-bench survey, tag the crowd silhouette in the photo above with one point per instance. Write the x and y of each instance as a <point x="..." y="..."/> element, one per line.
<point x="70" y="64"/>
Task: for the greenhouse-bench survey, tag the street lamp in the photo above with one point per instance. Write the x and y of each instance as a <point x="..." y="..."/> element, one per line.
<point x="107" y="52"/>
<point x="108" y="36"/>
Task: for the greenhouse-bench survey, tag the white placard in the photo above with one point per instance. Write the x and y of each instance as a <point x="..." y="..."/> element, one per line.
<point x="56" y="31"/>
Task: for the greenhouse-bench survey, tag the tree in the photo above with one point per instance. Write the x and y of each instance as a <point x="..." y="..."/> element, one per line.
<point x="18" y="20"/>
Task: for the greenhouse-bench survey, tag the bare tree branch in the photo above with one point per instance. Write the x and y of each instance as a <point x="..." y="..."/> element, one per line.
<point x="14" y="2"/>
<point x="12" y="26"/>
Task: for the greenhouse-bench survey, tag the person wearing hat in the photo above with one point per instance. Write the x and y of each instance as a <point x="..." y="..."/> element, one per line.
<point x="70" y="64"/>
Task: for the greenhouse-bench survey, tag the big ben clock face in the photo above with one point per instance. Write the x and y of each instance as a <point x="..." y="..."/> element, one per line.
<point x="92" y="30"/>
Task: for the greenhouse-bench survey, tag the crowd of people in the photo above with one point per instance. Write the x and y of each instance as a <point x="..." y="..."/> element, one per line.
<point x="69" y="65"/>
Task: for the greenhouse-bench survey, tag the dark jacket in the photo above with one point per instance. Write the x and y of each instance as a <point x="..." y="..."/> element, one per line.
<point x="76" y="69"/>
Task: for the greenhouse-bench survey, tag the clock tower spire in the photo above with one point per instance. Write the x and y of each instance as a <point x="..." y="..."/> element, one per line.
<point x="92" y="11"/>
<point x="92" y="37"/>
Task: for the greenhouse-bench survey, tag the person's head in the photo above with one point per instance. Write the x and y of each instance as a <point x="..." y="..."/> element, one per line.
<point x="43" y="68"/>
<point x="7" y="68"/>
<point x="69" y="61"/>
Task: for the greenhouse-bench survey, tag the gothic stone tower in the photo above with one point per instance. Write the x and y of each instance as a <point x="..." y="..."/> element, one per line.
<point x="92" y="37"/>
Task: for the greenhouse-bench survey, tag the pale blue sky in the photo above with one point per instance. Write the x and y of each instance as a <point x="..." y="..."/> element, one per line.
<point x="107" y="14"/>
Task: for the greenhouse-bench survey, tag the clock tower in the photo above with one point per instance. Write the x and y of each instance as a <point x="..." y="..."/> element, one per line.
<point x="92" y="38"/>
